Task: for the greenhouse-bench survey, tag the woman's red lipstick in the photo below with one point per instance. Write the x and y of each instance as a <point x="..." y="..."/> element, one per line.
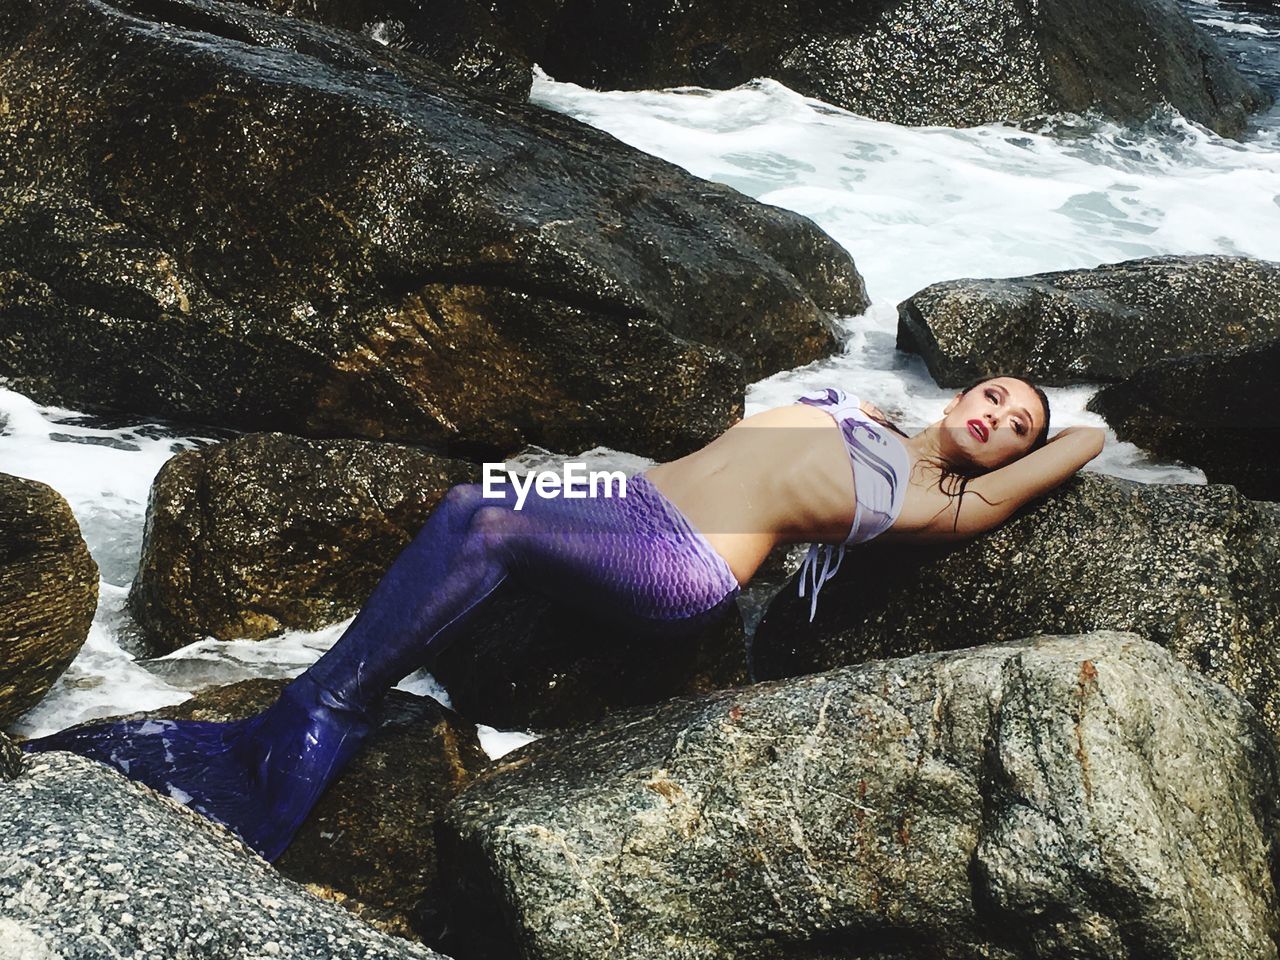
<point x="978" y="429"/>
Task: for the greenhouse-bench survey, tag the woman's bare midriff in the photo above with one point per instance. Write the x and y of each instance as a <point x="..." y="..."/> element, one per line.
<point x="775" y="477"/>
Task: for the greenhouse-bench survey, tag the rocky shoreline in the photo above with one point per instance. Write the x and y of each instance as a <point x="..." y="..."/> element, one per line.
<point x="363" y="248"/>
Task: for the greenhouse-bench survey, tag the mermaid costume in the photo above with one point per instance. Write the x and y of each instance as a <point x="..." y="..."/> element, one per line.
<point x="634" y="559"/>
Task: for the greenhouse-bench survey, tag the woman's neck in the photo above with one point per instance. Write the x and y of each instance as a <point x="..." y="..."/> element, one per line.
<point x="927" y="444"/>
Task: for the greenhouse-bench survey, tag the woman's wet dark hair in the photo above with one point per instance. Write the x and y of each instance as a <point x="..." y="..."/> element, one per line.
<point x="954" y="480"/>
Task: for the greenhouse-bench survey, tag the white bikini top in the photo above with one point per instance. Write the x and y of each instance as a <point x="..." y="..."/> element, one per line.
<point x="880" y="465"/>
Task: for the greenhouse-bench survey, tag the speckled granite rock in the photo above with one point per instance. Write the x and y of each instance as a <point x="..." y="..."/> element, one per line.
<point x="1078" y="796"/>
<point x="48" y="592"/>
<point x="1091" y="325"/>
<point x="1215" y="411"/>
<point x="264" y="223"/>
<point x="1189" y="567"/>
<point x="369" y="843"/>
<point x="93" y="865"/>
<point x="271" y="532"/>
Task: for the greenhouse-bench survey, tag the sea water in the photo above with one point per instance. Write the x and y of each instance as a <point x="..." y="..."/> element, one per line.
<point x="912" y="205"/>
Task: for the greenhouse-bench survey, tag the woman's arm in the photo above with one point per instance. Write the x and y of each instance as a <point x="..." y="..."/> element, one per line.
<point x="990" y="499"/>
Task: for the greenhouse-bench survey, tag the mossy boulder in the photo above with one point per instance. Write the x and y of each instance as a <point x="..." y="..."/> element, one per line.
<point x="48" y="592"/>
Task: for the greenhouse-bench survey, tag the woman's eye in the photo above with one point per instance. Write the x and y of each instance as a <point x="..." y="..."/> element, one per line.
<point x="991" y="395"/>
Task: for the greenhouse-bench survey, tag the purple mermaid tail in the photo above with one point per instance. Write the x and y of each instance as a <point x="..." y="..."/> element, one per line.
<point x="633" y="558"/>
<point x="259" y="776"/>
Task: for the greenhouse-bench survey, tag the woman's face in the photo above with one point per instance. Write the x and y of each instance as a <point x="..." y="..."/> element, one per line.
<point x="993" y="424"/>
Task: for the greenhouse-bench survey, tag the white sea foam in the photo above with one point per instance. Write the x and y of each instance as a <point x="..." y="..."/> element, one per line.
<point x="1231" y="27"/>
<point x="178" y="793"/>
<point x="104" y="473"/>
<point x="104" y="680"/>
<point x="915" y="205"/>
<point x="912" y="205"/>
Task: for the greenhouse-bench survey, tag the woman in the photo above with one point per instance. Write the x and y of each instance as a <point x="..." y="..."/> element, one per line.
<point x="668" y="556"/>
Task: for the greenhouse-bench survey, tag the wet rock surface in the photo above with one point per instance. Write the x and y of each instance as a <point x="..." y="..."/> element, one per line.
<point x="969" y="63"/>
<point x="1189" y="567"/>
<point x="93" y="865"/>
<point x="271" y="532"/>
<point x="1215" y="411"/>
<point x="1105" y="323"/>
<point x="1062" y="796"/>
<point x="466" y="39"/>
<point x="259" y="222"/>
<point x="48" y="592"/>
<point x="12" y="761"/>
<point x="915" y="62"/>
<point x="369" y="843"/>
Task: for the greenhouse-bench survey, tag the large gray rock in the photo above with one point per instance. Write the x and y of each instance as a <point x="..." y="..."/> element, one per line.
<point x="1216" y="411"/>
<point x="918" y="61"/>
<point x="270" y="532"/>
<point x="1089" y="325"/>
<point x="1189" y="567"/>
<point x="93" y="865"/>
<point x="264" y="223"/>
<point x="968" y="63"/>
<point x="1058" y="797"/>
<point x="48" y="592"/>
